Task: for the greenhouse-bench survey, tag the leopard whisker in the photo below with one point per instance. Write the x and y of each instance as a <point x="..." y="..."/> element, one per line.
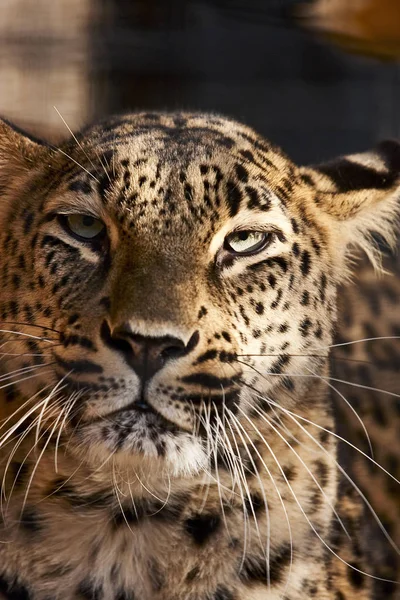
<point x="260" y="457"/>
<point x="24" y="354"/>
<point x="37" y="325"/>
<point x="334" y="511"/>
<point x="117" y="492"/>
<point x="271" y="402"/>
<point x="22" y="407"/>
<point x="132" y="500"/>
<point x="210" y="476"/>
<point x="39" y="458"/>
<point x="235" y="465"/>
<point x="264" y="496"/>
<point x="103" y="167"/>
<point x="216" y="468"/>
<point x="79" y="145"/>
<point x="365" y="387"/>
<point x="229" y="454"/>
<point x="195" y="421"/>
<point x="353" y="410"/>
<point x="16" y="372"/>
<point x="354" y="485"/>
<point x="16" y="425"/>
<point x="246" y="522"/>
<point x="326" y="380"/>
<point x="205" y="421"/>
<point x="77" y="163"/>
<point x="164" y="502"/>
<point x="327" y="546"/>
<point x="17" y="441"/>
<point x="361" y="340"/>
<point x="315" y="355"/>
<point x="20" y="440"/>
<point x="213" y="458"/>
<point x="28" y="335"/>
<point x="247" y="489"/>
<point x="67" y="410"/>
<point x="362" y="495"/>
<point x="56" y="390"/>
<point x="304" y="375"/>
<point x="2" y="387"/>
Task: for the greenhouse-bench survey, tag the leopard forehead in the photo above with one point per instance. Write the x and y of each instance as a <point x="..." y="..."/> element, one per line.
<point x="180" y="166"/>
<point x="185" y="178"/>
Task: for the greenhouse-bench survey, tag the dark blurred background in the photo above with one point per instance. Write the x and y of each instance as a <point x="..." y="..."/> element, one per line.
<point x="249" y="59"/>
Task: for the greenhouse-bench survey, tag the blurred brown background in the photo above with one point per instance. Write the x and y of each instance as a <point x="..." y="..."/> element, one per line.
<point x="246" y="58"/>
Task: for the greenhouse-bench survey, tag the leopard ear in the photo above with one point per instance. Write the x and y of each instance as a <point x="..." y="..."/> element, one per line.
<point x="361" y="194"/>
<point x="19" y="154"/>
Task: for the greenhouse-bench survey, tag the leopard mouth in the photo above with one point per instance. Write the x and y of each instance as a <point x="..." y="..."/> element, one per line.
<point x="139" y="407"/>
<point x="143" y="408"/>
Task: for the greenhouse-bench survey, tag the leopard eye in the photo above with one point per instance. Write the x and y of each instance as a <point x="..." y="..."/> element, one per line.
<point x="246" y="242"/>
<point x="83" y="227"/>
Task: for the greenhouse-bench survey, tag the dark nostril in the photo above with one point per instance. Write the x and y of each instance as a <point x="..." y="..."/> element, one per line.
<point x="113" y="340"/>
<point x="173" y="351"/>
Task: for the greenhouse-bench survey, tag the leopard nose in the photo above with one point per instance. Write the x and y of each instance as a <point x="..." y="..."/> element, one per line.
<point x="146" y="355"/>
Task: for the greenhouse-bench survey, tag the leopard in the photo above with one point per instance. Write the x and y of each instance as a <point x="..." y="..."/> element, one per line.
<point x="171" y="284"/>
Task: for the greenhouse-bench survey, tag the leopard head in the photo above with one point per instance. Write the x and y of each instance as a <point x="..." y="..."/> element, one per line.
<point x="165" y="274"/>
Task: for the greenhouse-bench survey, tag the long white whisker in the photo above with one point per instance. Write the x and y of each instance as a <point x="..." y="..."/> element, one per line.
<point x="28" y="335"/>
<point x="15" y="449"/>
<point x="67" y="410"/>
<point x="270" y="424"/>
<point x="216" y="469"/>
<point x="78" y="164"/>
<point x="262" y="490"/>
<point x="58" y="387"/>
<point x="117" y="492"/>
<point x="371" y="339"/>
<point x="304" y="376"/>
<point x="164" y="502"/>
<point x="2" y="387"/>
<point x="330" y="432"/>
<point x="14" y="427"/>
<point x="22" y="370"/>
<point x="77" y="142"/>
<point x="38" y="462"/>
<point x="260" y="457"/>
<point x="325" y="380"/>
<point x="354" y="485"/>
<point x="306" y="516"/>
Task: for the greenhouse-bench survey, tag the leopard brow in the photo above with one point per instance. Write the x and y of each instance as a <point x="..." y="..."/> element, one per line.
<point x="89" y="206"/>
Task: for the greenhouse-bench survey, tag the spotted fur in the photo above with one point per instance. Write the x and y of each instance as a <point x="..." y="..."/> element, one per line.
<point x="167" y="423"/>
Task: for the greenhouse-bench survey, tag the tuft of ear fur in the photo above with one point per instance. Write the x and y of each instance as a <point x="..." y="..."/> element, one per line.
<point x="361" y="194"/>
<point x="16" y="145"/>
<point x="20" y="154"/>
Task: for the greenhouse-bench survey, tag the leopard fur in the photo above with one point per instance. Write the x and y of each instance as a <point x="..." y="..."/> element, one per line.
<point x="368" y="310"/>
<point x="166" y="415"/>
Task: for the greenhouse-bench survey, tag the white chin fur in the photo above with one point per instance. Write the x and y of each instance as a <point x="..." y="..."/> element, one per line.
<point x="184" y="455"/>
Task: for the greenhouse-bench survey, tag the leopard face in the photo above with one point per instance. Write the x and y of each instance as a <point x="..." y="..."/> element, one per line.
<point x="170" y="271"/>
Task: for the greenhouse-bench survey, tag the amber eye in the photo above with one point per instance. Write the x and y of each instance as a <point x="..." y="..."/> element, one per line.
<point x="83" y="227"/>
<point x="246" y="242"/>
